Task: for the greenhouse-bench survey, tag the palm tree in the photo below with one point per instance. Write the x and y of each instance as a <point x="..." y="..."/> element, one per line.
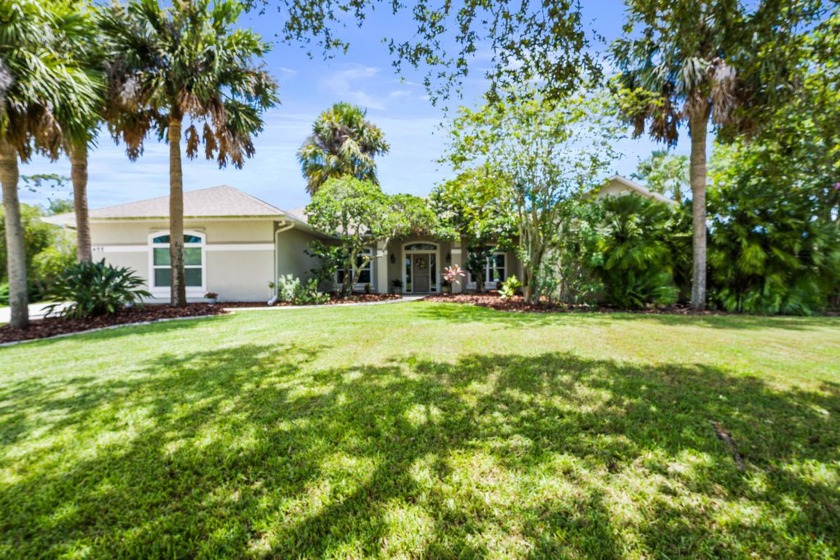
<point x="45" y="96"/>
<point x="188" y="62"/>
<point x="695" y="62"/>
<point x="342" y="143"/>
<point x="90" y="54"/>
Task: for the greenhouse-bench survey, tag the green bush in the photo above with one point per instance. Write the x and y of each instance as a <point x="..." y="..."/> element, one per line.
<point x="642" y="244"/>
<point x="510" y="287"/>
<point x="287" y="286"/>
<point x="771" y="250"/>
<point x="291" y="290"/>
<point x="96" y="288"/>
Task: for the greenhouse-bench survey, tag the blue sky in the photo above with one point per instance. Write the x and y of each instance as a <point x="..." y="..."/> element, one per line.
<point x="364" y="76"/>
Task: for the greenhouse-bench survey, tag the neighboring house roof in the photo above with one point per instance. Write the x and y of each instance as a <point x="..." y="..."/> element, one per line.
<point x="298" y="214"/>
<point x="215" y="202"/>
<point x="619" y="185"/>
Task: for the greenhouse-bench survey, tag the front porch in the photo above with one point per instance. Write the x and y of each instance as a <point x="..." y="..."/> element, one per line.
<point x="418" y="263"/>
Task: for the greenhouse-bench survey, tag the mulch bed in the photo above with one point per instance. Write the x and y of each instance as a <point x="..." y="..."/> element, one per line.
<point x="52" y="326"/>
<point x="516" y="304"/>
<point x="334" y="300"/>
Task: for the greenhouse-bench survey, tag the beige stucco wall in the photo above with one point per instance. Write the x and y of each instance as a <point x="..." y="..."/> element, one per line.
<point x="291" y="254"/>
<point x="237" y="274"/>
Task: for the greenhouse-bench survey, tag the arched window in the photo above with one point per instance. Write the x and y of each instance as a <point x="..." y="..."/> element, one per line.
<point x="161" y="264"/>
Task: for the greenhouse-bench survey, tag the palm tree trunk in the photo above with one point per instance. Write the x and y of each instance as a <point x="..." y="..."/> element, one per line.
<point x="698" y="127"/>
<point x="176" y="213"/>
<point x="15" y="250"/>
<point x="79" y="176"/>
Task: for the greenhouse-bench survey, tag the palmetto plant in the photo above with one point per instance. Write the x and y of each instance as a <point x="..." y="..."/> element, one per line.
<point x="46" y="96"/>
<point x="342" y="142"/>
<point x="185" y="63"/>
<point x="637" y="264"/>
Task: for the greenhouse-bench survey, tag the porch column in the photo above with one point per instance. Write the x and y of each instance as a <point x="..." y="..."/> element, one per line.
<point x="381" y="268"/>
<point x="457" y="258"/>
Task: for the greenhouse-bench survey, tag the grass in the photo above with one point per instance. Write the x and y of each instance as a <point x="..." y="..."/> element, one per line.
<point x="424" y="430"/>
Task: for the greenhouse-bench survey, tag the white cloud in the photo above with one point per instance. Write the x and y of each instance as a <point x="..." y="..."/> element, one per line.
<point x="344" y="84"/>
<point x="397" y="93"/>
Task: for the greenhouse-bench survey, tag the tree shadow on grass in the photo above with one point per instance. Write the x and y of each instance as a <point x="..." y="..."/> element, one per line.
<point x="257" y="451"/>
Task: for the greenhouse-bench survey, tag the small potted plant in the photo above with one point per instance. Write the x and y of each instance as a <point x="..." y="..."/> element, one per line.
<point x="211" y="297"/>
<point x="397" y="285"/>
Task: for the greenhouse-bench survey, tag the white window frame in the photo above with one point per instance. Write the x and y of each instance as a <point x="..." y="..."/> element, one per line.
<point x="489" y="284"/>
<point x="406" y="253"/>
<point x="163" y="291"/>
<point x="360" y="286"/>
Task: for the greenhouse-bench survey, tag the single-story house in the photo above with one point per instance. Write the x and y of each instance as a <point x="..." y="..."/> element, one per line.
<point x="236" y="244"/>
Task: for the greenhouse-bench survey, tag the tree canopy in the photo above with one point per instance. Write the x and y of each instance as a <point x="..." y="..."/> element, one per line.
<point x="547" y="151"/>
<point x="524" y="40"/>
<point x="718" y="62"/>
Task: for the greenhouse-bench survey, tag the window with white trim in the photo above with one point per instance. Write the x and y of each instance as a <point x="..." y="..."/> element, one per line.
<point x="365" y="272"/>
<point x="495" y="271"/>
<point x="161" y="276"/>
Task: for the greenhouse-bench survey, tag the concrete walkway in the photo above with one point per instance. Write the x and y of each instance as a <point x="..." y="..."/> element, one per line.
<point x="36" y="311"/>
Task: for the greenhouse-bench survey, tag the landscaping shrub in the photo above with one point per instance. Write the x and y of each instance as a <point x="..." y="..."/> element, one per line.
<point x="287" y="286"/>
<point x="291" y="290"/>
<point x="772" y="249"/>
<point x="642" y="244"/>
<point x="49" y="250"/>
<point x="96" y="288"/>
<point x="510" y="287"/>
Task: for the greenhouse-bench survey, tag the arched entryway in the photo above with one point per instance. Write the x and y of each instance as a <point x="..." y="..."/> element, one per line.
<point x="421" y="261"/>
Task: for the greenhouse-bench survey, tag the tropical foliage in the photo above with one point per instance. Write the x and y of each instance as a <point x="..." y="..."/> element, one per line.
<point x="665" y="173"/>
<point x="46" y="96"/>
<point x="640" y="250"/>
<point x="96" y="288"/>
<point x="775" y="237"/>
<point x="717" y="61"/>
<point x="342" y="143"/>
<point x="189" y="63"/>
<point x="548" y="152"/>
<point x="359" y="215"/>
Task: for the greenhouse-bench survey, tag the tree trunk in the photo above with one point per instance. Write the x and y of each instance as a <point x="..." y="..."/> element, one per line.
<point x="176" y="214"/>
<point x="79" y="176"/>
<point x="15" y="250"/>
<point x="698" y="126"/>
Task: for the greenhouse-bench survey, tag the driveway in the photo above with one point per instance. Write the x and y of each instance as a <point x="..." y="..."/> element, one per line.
<point x="36" y="311"/>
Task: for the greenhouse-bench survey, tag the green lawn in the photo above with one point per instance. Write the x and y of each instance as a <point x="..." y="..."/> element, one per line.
<point x="424" y="430"/>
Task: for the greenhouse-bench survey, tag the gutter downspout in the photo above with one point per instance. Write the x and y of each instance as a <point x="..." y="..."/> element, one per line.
<point x="286" y="226"/>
